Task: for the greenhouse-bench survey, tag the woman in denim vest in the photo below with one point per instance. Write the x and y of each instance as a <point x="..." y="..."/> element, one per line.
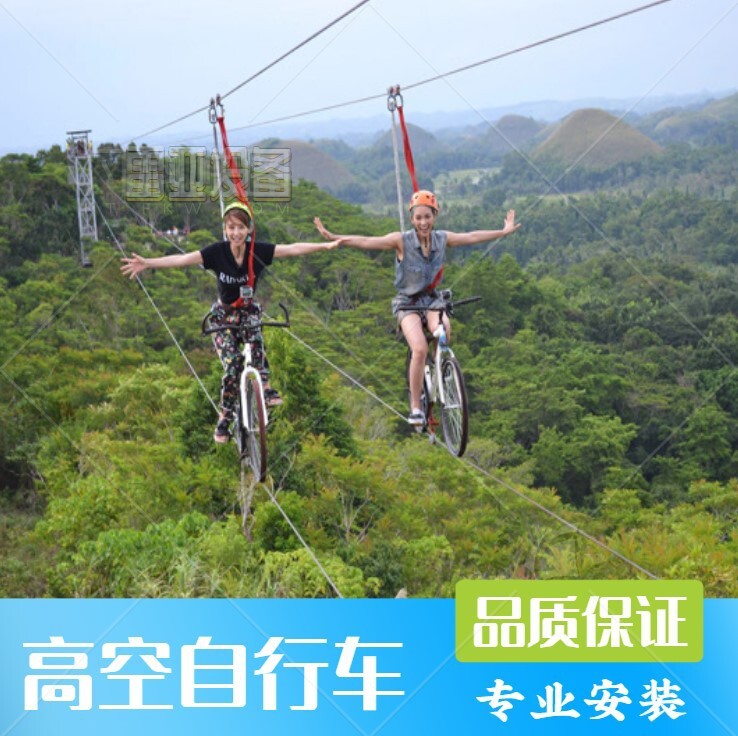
<point x="419" y="257"/>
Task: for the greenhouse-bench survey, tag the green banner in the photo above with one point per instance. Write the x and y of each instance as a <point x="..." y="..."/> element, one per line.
<point x="579" y="621"/>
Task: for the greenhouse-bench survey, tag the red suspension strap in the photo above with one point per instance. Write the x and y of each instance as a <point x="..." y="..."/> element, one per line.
<point x="240" y="188"/>
<point x="395" y="102"/>
<point x="405" y="138"/>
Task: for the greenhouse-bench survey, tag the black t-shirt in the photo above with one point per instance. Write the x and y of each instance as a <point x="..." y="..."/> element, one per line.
<point x="219" y="259"/>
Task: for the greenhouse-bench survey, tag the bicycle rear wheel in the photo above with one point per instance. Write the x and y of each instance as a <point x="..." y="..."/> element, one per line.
<point x="256" y="436"/>
<point x="454" y="410"/>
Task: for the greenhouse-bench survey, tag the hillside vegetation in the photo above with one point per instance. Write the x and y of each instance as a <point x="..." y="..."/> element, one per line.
<point x="600" y="364"/>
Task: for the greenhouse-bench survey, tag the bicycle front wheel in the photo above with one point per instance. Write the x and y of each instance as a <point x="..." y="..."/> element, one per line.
<point x="256" y="440"/>
<point x="240" y="434"/>
<point x="454" y="409"/>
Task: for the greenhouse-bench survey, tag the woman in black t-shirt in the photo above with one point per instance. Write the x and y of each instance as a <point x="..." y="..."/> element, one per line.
<point x="229" y="261"/>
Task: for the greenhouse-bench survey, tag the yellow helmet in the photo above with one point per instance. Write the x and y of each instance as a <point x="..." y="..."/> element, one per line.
<point x="239" y="206"/>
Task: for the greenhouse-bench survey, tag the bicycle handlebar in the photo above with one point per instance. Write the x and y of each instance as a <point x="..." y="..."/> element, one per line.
<point x="448" y="305"/>
<point x="221" y="328"/>
<point x="465" y="300"/>
<point x="286" y="322"/>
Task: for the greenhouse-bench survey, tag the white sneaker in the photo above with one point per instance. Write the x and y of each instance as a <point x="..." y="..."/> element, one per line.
<point x="416" y="418"/>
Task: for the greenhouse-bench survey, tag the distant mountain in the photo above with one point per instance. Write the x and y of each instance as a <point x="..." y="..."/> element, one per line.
<point x="603" y="139"/>
<point x="724" y="110"/>
<point x="593" y="137"/>
<point x="335" y="148"/>
<point x="694" y="126"/>
<point x="361" y="132"/>
<point x="377" y="160"/>
<point x="313" y="164"/>
<point x="421" y="140"/>
<point x="508" y="133"/>
<point x="445" y="125"/>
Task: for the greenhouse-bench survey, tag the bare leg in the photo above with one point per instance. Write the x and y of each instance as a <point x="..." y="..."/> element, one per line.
<point x="432" y="319"/>
<point x="412" y="329"/>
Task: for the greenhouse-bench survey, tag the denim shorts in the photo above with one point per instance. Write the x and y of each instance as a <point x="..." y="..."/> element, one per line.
<point x="423" y="302"/>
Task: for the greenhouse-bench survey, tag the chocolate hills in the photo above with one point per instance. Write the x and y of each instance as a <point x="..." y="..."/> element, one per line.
<point x="311" y="163"/>
<point x="596" y="140"/>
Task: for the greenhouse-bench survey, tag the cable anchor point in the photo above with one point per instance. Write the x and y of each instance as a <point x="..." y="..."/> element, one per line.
<point x="394" y="98"/>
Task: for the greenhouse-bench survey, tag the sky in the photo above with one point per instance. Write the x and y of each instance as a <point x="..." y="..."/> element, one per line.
<point x="122" y="69"/>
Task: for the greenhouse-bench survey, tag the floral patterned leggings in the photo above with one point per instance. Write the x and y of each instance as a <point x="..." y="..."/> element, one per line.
<point x="229" y="349"/>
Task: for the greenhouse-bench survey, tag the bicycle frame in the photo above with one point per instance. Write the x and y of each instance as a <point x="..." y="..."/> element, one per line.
<point x="435" y="386"/>
<point x="253" y="324"/>
<point x="443" y="385"/>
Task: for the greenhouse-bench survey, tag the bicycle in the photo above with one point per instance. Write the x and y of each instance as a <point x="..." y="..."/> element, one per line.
<point x="443" y="383"/>
<point x="251" y="415"/>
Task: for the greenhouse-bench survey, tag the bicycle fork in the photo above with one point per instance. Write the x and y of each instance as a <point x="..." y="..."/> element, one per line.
<point x="248" y="373"/>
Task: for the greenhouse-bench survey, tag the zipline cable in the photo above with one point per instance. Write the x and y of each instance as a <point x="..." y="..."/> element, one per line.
<point x="392" y="107"/>
<point x="141" y="218"/>
<point x="158" y="311"/>
<point x="216" y="147"/>
<point x="202" y="386"/>
<point x="467" y="67"/>
<point x="346" y="375"/>
<point x="261" y="71"/>
<point x="304" y="543"/>
<point x="295" y="48"/>
<point x="557" y="517"/>
<point x="535" y="44"/>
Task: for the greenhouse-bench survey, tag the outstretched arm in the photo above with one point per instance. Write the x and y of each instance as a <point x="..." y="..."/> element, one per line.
<point x="391" y="241"/>
<point x="482" y="236"/>
<point x="304" y="249"/>
<point x="136" y="264"/>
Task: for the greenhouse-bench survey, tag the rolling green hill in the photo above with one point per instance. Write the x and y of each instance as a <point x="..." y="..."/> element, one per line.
<point x="596" y="140"/>
<point x="608" y="151"/>
<point x="509" y="131"/>
<point x="695" y="126"/>
<point x="422" y="141"/>
<point x="311" y="163"/>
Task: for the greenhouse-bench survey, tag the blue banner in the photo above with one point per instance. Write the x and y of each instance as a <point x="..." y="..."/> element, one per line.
<point x="328" y="667"/>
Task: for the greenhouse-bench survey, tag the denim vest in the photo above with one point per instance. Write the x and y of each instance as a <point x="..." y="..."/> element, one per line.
<point x="415" y="273"/>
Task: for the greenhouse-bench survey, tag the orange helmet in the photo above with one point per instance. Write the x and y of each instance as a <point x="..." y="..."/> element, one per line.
<point x="424" y="197"/>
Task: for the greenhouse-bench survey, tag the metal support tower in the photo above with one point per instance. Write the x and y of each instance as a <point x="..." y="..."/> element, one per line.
<point x="79" y="156"/>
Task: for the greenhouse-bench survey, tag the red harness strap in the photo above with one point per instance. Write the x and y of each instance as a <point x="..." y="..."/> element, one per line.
<point x="241" y="194"/>
<point x="408" y="151"/>
<point x="436" y="280"/>
<point x="411" y="170"/>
